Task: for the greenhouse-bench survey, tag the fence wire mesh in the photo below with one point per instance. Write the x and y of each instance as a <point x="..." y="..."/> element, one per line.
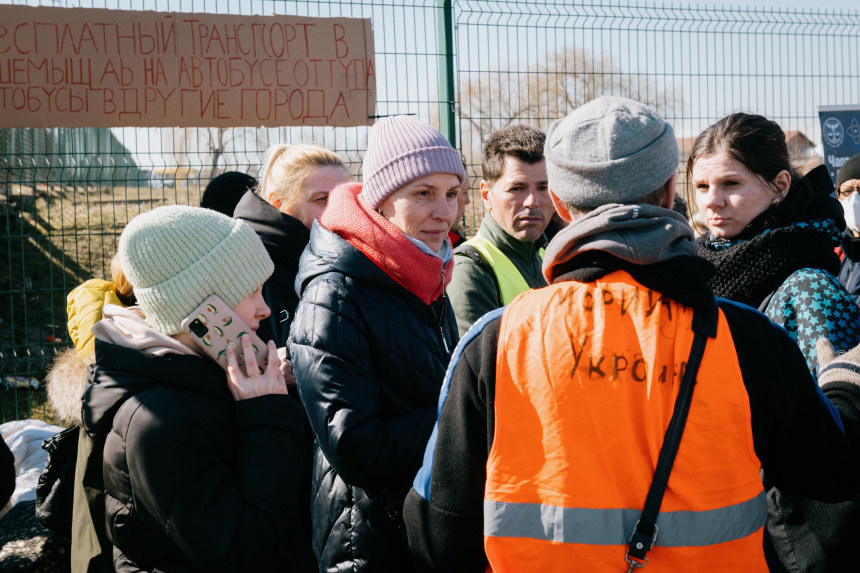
<point x="67" y="193"/>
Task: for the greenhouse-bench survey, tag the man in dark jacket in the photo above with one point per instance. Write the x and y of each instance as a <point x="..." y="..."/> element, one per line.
<point x="554" y="409"/>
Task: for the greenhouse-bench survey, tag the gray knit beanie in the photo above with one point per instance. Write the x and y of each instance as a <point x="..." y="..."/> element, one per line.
<point x="849" y="170"/>
<point x="176" y="256"/>
<point x="610" y="150"/>
<point x="400" y="149"/>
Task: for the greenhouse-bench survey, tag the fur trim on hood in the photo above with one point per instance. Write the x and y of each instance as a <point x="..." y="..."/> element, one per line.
<point x="66" y="382"/>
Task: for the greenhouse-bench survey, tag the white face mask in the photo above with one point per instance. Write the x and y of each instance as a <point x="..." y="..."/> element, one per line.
<point x="851" y="206"/>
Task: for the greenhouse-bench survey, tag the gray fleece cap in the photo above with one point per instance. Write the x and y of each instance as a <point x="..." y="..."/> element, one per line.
<point x="610" y="150"/>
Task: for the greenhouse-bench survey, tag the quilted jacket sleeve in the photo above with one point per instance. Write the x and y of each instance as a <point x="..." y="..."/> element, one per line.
<point x="340" y="387"/>
<point x="811" y="304"/>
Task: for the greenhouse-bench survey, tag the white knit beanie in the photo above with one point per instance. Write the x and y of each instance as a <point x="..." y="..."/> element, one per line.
<point x="610" y="150"/>
<point x="401" y="149"/>
<point x="176" y="256"/>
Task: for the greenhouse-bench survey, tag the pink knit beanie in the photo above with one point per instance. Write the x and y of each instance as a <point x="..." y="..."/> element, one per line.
<point x="400" y="149"/>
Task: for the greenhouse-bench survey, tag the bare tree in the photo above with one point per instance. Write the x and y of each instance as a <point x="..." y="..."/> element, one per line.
<point x="495" y="99"/>
<point x="204" y="152"/>
<point x="217" y="146"/>
<point x="215" y="141"/>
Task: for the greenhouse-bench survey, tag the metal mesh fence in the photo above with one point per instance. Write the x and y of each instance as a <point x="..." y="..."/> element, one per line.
<point x="66" y="194"/>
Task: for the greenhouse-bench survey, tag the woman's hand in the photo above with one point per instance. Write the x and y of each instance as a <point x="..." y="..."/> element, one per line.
<point x="286" y="369"/>
<point x="242" y="386"/>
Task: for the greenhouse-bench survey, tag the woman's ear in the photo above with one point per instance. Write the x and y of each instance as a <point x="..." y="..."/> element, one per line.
<point x="560" y="207"/>
<point x="782" y="182"/>
<point x="274" y="201"/>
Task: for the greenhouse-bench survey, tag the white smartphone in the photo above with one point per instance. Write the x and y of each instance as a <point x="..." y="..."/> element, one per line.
<point x="214" y="326"/>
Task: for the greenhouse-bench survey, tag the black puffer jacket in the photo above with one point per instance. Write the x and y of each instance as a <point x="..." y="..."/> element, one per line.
<point x="285" y="238"/>
<point x="7" y="473"/>
<point x="194" y="480"/>
<point x="369" y="359"/>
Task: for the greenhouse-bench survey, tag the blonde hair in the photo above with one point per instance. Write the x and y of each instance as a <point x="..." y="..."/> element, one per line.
<point x="286" y="167"/>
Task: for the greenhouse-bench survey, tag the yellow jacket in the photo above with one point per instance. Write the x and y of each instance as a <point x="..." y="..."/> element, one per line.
<point x="84" y="308"/>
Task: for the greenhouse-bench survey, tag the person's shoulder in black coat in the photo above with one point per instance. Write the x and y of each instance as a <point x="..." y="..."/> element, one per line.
<point x="7" y="473"/>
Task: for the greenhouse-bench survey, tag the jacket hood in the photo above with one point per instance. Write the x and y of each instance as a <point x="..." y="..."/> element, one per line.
<point x="120" y="372"/>
<point x="284" y="237"/>
<point x="65" y="382"/>
<point x="132" y="357"/>
<point x="638" y="234"/>
<point x="128" y="327"/>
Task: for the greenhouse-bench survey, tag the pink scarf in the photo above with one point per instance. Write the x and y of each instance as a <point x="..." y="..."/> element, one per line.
<point x="387" y="246"/>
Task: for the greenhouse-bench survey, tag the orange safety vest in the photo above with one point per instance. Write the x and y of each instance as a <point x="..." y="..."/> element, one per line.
<point x="586" y="380"/>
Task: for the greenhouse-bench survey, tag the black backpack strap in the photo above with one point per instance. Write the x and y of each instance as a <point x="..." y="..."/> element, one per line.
<point x="473" y="253"/>
<point x="645" y="531"/>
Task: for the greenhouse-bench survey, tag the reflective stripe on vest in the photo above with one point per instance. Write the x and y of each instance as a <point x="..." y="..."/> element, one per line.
<point x="613" y="526"/>
<point x="511" y="282"/>
<point x="586" y="379"/>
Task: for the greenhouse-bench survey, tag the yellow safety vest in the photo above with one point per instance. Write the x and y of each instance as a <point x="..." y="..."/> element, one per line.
<point x="511" y="282"/>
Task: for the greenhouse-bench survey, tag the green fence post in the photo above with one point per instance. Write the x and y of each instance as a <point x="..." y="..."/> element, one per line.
<point x="445" y="25"/>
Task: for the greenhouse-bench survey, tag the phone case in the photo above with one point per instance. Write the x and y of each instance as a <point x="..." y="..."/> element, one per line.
<point x="214" y="326"/>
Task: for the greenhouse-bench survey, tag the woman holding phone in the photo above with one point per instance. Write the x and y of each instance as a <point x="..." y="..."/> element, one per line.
<point x="371" y="339"/>
<point x="201" y="467"/>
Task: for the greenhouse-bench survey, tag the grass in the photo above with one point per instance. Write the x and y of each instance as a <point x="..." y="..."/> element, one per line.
<point x="21" y="403"/>
<point x="53" y="238"/>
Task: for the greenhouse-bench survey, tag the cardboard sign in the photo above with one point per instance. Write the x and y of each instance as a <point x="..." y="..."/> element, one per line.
<point x="840" y="134"/>
<point x="75" y="67"/>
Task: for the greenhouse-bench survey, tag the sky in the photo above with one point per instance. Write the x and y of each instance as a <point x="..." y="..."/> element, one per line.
<point x="751" y="72"/>
<point x="820" y="4"/>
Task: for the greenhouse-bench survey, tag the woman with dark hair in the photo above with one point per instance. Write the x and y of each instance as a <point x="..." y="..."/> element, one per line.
<point x="771" y="235"/>
<point x="371" y="340"/>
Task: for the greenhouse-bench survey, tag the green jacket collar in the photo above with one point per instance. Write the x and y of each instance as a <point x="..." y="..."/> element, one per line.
<point x="510" y="246"/>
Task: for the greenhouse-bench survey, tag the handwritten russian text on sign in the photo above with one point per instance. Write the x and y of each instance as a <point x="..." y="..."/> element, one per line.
<point x="68" y="67"/>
